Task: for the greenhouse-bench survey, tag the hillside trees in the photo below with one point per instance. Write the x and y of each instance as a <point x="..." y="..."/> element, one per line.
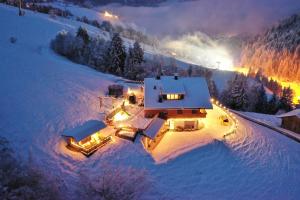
<point x="286" y="100"/>
<point x="104" y="56"/>
<point x="134" y="59"/>
<point x="277" y="51"/>
<point x="116" y="55"/>
<point x="249" y="94"/>
<point x="235" y="95"/>
<point x="83" y="34"/>
<point x="257" y="98"/>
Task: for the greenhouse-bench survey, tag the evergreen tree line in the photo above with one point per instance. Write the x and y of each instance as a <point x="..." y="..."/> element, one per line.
<point x="271" y="84"/>
<point x="243" y="93"/>
<point x="105" y="56"/>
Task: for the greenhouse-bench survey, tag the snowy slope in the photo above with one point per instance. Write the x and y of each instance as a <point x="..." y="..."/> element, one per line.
<point x="42" y="94"/>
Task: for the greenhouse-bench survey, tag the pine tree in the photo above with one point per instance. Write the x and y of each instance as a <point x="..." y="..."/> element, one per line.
<point x="138" y="53"/>
<point x="235" y="96"/>
<point x="82" y="33"/>
<point x="261" y="99"/>
<point x="133" y="69"/>
<point x="129" y="64"/>
<point x="272" y="105"/>
<point x="286" y="100"/>
<point x="117" y="55"/>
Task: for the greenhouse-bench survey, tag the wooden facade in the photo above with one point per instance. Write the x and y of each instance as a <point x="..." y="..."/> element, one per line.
<point x="291" y="123"/>
<point x="176" y="113"/>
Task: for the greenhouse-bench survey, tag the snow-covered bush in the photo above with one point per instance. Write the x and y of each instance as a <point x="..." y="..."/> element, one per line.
<point x="22" y="182"/>
<point x="116" y="183"/>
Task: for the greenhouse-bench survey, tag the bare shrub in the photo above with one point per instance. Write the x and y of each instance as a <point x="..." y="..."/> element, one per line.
<point x="116" y="183"/>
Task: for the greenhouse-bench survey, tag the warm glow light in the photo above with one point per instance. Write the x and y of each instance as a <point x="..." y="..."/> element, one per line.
<point x="172" y="96"/>
<point x="293" y="85"/>
<point x="110" y="15"/>
<point x="242" y="70"/>
<point x="199" y="49"/>
<point x="120" y="116"/>
<point x="129" y="91"/>
<point x="112" y="139"/>
<point x="173" y="53"/>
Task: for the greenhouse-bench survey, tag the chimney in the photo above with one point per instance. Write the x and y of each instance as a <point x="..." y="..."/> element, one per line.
<point x="157" y="77"/>
<point x="176" y="76"/>
<point x="160" y="99"/>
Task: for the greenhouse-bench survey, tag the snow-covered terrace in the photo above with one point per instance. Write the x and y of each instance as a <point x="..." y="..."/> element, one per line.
<point x="175" y="144"/>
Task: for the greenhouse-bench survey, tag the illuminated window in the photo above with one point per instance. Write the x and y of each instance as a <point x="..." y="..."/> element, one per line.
<point x="202" y="110"/>
<point x="172" y="125"/>
<point x="173" y="96"/>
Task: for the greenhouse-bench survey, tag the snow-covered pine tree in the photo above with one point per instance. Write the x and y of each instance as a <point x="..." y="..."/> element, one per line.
<point x="107" y="26"/>
<point x="138" y="53"/>
<point x="286" y="100"/>
<point x="235" y="96"/>
<point x="117" y="55"/>
<point x="133" y="69"/>
<point x="261" y="99"/>
<point x="129" y="64"/>
<point x="82" y="33"/>
<point x="96" y="51"/>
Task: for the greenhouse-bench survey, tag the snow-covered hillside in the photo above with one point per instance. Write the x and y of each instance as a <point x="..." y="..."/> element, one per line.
<point x="42" y="94"/>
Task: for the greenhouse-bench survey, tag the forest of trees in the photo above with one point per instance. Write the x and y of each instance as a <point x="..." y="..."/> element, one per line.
<point x="248" y="94"/>
<point x="277" y="51"/>
<point x="105" y="56"/>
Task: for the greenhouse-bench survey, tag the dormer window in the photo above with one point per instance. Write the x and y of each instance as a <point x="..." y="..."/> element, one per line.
<point x="174" y="96"/>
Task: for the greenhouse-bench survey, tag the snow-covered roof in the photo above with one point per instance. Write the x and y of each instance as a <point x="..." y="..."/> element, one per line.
<point x="195" y="90"/>
<point x="86" y="129"/>
<point x="171" y="86"/>
<point x="291" y="113"/>
<point x="154" y="127"/>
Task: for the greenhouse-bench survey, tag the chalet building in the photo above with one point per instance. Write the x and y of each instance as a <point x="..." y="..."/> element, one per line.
<point x="181" y="100"/>
<point x="87" y="138"/>
<point x="291" y="120"/>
